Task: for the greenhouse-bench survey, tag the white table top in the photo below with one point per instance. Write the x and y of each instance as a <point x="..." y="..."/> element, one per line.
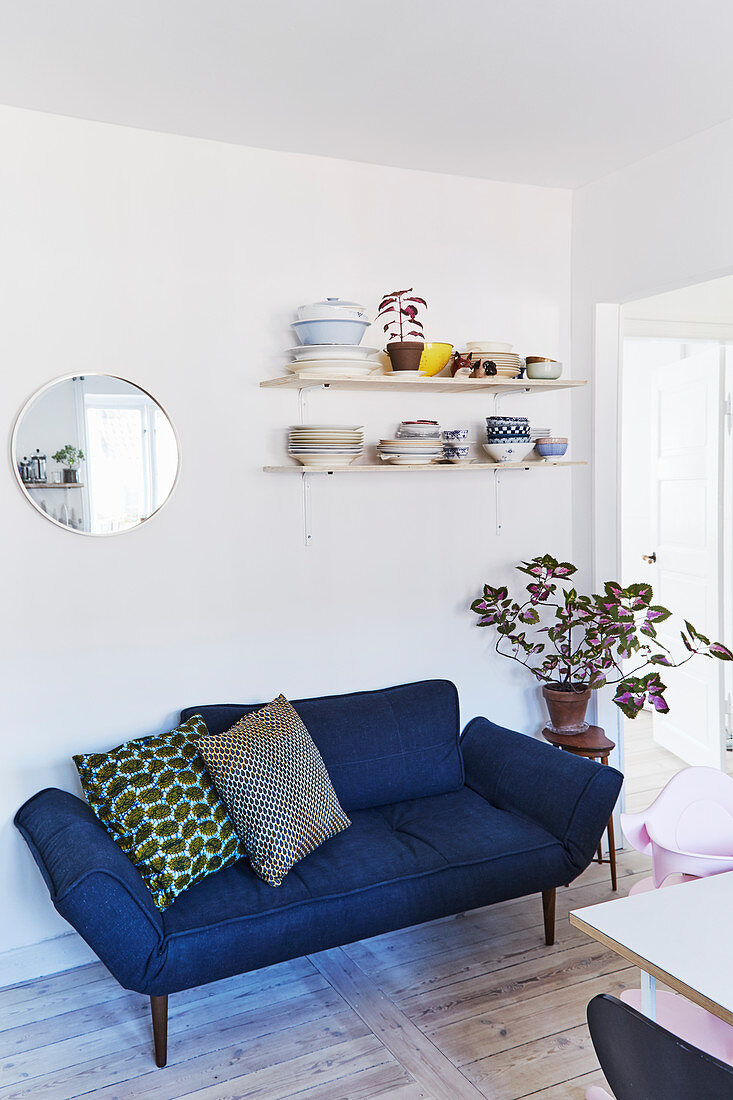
<point x="681" y="935"/>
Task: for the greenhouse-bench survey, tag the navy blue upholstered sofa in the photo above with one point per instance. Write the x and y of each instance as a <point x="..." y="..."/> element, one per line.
<point x="440" y="824"/>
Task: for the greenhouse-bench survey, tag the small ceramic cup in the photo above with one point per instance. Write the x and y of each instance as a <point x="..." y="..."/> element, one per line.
<point x="455" y="437"/>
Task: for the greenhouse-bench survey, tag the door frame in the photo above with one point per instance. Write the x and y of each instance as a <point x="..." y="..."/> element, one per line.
<point x="606" y="485"/>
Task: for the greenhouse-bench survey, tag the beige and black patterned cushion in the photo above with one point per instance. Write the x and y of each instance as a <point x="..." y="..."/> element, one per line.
<point x="155" y="798"/>
<point x="275" y="786"/>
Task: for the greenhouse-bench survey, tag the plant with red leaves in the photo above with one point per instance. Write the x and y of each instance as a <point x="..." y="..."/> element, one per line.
<point x="588" y="638"/>
<point x="399" y="310"/>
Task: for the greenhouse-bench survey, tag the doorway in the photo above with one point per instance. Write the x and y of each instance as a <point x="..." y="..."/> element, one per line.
<point x="674" y="459"/>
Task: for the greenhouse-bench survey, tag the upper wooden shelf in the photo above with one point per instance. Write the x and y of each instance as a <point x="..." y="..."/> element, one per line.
<point x="385" y="382"/>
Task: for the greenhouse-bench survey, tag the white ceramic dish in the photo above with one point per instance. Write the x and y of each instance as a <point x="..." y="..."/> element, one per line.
<point x="331" y="308"/>
<point x="326" y="427"/>
<point x="332" y="351"/>
<point x="412" y="444"/>
<point x="544" y="371"/>
<point x="406" y="460"/>
<point x="508" y="452"/>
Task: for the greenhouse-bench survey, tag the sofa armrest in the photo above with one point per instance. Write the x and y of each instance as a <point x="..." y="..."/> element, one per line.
<point x="93" y="884"/>
<point x="572" y="798"/>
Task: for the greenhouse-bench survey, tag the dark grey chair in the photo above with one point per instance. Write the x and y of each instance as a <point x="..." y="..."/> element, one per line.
<point x="644" y="1061"/>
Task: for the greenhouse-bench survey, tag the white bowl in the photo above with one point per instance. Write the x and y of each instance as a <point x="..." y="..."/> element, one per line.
<point x="508" y="452"/>
<point x="336" y="330"/>
<point x="547" y="371"/>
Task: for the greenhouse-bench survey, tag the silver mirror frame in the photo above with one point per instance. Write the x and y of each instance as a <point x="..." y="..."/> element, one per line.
<point x="14" y="438"/>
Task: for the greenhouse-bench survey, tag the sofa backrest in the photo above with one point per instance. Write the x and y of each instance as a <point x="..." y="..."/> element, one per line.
<point x="378" y="746"/>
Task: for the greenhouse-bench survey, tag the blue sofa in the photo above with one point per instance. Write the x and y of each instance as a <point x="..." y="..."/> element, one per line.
<point x="440" y="824"/>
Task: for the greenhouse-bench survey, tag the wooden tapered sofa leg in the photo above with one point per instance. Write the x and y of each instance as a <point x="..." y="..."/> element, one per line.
<point x="159" y="1012"/>
<point x="548" y="911"/>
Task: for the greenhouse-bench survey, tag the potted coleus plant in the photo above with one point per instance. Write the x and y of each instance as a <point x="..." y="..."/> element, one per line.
<point x="399" y="312"/>
<point x="575" y="644"/>
<point x="69" y="457"/>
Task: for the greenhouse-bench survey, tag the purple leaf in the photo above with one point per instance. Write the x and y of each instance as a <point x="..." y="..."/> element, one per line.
<point x="721" y="651"/>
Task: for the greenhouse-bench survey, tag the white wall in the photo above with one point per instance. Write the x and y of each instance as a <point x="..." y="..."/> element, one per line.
<point x="662" y="223"/>
<point x="178" y="263"/>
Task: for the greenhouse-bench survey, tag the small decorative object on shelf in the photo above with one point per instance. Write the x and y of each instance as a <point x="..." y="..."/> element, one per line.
<point x="588" y="639"/>
<point x="69" y="457"/>
<point x="399" y="311"/>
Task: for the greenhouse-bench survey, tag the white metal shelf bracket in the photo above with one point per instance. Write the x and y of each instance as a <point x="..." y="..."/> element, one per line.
<point x="305" y="479"/>
<point x="497" y="475"/>
<point x="307" y="525"/>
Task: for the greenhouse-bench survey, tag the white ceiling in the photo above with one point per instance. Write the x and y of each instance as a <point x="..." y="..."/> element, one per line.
<point x="553" y="92"/>
<point x="709" y="303"/>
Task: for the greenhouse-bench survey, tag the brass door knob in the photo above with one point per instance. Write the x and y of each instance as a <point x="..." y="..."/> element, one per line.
<point x="651" y="558"/>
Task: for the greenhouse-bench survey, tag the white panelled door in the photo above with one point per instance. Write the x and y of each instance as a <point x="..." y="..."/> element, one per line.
<point x="687" y="418"/>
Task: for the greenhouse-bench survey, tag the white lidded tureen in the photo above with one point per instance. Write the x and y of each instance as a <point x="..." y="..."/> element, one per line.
<point x="333" y="309"/>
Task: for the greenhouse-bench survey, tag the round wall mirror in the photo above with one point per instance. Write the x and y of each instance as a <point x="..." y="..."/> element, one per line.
<point x="95" y="454"/>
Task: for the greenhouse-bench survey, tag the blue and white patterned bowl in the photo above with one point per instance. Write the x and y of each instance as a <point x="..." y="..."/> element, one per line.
<point x="508" y="452"/>
<point x="455" y="437"/>
<point x="455" y="453"/>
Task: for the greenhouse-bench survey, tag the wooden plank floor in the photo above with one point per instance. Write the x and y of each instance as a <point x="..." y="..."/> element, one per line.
<point x="473" y="1005"/>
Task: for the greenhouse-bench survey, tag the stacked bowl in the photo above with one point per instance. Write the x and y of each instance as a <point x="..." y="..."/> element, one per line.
<point x="325" y="445"/>
<point x="330" y="334"/>
<point x="455" y="445"/>
<point x="508" y="364"/>
<point x="418" y="429"/>
<point x="508" y="438"/>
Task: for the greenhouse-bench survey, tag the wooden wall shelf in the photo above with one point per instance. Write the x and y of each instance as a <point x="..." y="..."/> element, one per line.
<point x="384" y="383"/>
<point x="431" y="468"/>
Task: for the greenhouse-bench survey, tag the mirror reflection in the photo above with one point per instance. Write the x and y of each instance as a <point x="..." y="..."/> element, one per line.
<point x="95" y="454"/>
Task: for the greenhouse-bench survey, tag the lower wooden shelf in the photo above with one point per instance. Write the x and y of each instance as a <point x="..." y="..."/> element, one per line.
<point x="388" y="468"/>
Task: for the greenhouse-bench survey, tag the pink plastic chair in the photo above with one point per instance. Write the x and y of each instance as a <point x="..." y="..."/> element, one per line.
<point x="688" y="832"/>
<point x="688" y="829"/>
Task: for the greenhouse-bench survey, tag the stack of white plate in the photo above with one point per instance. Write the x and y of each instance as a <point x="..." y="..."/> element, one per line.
<point x="325" y="444"/>
<point x="334" y="361"/>
<point x="410" y="452"/>
<point x="508" y="365"/>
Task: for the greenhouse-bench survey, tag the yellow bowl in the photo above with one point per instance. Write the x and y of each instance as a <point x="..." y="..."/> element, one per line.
<point x="434" y="358"/>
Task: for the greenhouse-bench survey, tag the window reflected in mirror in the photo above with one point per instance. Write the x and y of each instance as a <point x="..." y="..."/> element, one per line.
<point x="95" y="454"/>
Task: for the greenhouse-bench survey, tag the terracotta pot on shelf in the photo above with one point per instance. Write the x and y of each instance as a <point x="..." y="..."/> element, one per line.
<point x="567" y="708"/>
<point x="405" y="354"/>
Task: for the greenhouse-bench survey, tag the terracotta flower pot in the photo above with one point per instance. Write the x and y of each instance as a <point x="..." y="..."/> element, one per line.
<point x="405" y="354"/>
<point x="567" y="708"/>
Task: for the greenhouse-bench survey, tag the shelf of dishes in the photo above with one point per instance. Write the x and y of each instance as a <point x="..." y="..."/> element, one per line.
<point x="473" y="464"/>
<point x="393" y="381"/>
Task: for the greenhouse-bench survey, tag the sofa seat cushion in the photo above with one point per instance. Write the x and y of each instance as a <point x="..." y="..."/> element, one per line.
<point x="396" y="865"/>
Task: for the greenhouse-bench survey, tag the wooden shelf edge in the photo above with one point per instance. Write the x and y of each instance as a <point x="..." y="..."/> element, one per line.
<point x="387" y="468"/>
<point x="432" y="385"/>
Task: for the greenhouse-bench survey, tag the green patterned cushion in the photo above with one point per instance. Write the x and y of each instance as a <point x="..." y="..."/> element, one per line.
<point x="155" y="798"/>
<point x="275" y="786"/>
